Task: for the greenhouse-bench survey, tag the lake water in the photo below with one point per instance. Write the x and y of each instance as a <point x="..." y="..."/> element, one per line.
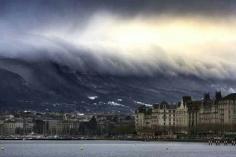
<point x="112" y="149"/>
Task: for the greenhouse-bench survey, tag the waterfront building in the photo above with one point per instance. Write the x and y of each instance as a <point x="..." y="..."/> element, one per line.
<point x="206" y="117"/>
<point x="53" y="127"/>
<point x="142" y="117"/>
<point x="39" y="126"/>
<point x="209" y="115"/>
<point x="143" y="121"/>
<point x="157" y="120"/>
<point x="164" y="117"/>
<point x="227" y="113"/>
<point x="12" y="127"/>
<point x="182" y="119"/>
<point x="1" y="127"/>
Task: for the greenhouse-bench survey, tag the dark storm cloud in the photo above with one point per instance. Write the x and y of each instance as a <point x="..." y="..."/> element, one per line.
<point x="199" y="7"/>
<point x="51" y="29"/>
<point x="79" y="7"/>
<point x="31" y="14"/>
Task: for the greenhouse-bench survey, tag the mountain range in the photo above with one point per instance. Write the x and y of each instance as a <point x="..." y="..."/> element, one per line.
<point x="47" y="85"/>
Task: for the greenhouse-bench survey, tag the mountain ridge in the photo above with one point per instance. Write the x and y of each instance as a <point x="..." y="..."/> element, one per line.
<point x="52" y="86"/>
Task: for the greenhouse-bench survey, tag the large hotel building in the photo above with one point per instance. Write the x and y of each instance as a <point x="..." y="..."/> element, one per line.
<point x="209" y="116"/>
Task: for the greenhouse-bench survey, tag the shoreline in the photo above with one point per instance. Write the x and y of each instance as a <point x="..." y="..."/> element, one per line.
<point x="209" y="142"/>
<point x="102" y="139"/>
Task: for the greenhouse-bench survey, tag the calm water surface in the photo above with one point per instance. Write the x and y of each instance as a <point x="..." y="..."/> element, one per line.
<point x="112" y="149"/>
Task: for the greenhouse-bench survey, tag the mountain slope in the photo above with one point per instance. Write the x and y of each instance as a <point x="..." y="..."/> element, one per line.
<point x="47" y="85"/>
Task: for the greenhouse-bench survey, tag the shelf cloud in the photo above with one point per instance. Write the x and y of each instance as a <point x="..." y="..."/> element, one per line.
<point x="125" y="37"/>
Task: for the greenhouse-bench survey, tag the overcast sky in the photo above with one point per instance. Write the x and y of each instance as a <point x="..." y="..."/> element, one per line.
<point x="124" y="37"/>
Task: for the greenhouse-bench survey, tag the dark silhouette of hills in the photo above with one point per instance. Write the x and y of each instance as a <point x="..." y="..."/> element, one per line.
<point x="47" y="85"/>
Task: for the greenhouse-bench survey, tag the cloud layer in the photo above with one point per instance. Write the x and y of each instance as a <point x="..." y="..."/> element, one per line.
<point x="121" y="41"/>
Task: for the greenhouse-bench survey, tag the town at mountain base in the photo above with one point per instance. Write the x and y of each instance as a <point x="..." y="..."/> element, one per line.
<point x="211" y="119"/>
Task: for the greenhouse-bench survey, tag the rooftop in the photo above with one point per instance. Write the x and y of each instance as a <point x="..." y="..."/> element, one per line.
<point x="230" y="97"/>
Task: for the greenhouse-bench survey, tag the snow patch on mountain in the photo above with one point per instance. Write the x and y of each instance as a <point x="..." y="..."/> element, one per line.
<point x="112" y="103"/>
<point x="142" y="103"/>
<point x="92" y="97"/>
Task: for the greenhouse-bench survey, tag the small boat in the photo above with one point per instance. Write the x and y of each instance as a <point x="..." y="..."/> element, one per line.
<point x="2" y="148"/>
<point x="81" y="148"/>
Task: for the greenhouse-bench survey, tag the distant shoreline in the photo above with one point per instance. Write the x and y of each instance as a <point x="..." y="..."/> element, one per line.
<point x="104" y="139"/>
